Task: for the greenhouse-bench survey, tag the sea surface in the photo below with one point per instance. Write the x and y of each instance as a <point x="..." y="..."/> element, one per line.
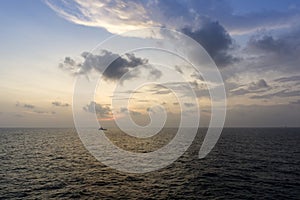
<point x="246" y="163"/>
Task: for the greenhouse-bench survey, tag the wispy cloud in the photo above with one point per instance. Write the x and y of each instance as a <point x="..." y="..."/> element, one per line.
<point x="60" y="104"/>
<point x="282" y="93"/>
<point x="254" y="87"/>
<point x="126" y="110"/>
<point x="288" y="79"/>
<point x="114" y="16"/>
<point x="27" y="106"/>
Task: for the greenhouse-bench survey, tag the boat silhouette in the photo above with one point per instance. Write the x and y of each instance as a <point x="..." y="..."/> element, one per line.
<point x="103" y="129"/>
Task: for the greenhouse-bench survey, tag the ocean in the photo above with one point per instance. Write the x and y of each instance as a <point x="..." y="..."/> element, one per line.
<point x="246" y="163"/>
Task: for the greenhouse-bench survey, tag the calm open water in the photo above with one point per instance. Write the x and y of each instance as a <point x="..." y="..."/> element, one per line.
<point x="245" y="164"/>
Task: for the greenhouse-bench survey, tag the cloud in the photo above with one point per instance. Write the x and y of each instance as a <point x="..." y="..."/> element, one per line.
<point x="60" y="104"/>
<point x="33" y="110"/>
<point x="216" y="41"/>
<point x="258" y="85"/>
<point x="111" y="65"/>
<point x="126" y="110"/>
<point x="159" y="89"/>
<point x="118" y="16"/>
<point x="101" y="110"/>
<point x="267" y="43"/>
<point x="27" y="106"/>
<point x="279" y="52"/>
<point x="295" y="102"/>
<point x="288" y="79"/>
<point x="282" y="93"/>
<point x="154" y="74"/>
<point x="155" y="109"/>
<point x="44" y="112"/>
<point x="114" y="16"/>
<point x="178" y="69"/>
<point x="189" y="105"/>
<point x="254" y="87"/>
<point x="209" y="22"/>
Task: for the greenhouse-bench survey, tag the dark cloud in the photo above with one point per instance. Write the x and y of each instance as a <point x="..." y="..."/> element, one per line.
<point x="100" y="110"/>
<point x="216" y="41"/>
<point x="117" y="65"/>
<point x="60" y="104"/>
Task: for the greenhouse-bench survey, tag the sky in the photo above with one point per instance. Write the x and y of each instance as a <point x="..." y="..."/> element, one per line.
<point x="46" y="46"/>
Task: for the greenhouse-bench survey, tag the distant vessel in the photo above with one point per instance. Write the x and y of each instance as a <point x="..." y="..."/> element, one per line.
<point x="103" y="129"/>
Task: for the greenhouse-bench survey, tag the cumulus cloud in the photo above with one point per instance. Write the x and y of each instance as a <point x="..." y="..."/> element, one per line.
<point x="101" y="110"/>
<point x="216" y="41"/>
<point x="60" y="104"/>
<point x="111" y="65"/>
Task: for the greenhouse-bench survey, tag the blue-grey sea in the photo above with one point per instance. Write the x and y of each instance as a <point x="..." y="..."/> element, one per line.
<point x="246" y="163"/>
